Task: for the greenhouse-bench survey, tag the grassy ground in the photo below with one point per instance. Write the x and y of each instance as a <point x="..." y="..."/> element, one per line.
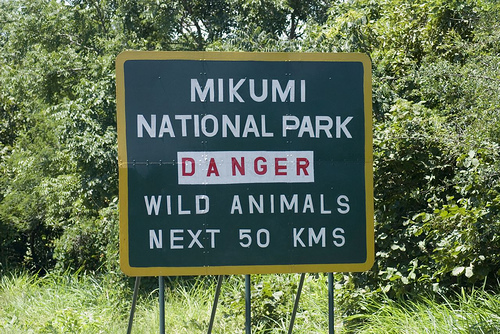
<point x="86" y="304"/>
<point x="89" y="304"/>
<point x="478" y="312"/>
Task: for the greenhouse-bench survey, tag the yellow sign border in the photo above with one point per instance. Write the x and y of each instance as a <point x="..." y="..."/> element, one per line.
<point x="241" y="56"/>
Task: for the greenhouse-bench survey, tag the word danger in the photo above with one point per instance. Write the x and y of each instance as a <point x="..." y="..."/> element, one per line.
<point x="231" y="167"/>
<point x="300" y="237"/>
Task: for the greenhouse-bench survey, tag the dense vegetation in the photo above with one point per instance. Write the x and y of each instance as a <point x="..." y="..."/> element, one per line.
<point x="436" y="110"/>
<point x="82" y="303"/>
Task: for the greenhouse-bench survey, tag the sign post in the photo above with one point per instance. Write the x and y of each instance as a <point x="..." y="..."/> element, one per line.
<point x="244" y="163"/>
<point x="241" y="163"/>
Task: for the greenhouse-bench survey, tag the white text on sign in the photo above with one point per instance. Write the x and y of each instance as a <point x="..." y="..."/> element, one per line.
<point x="238" y="126"/>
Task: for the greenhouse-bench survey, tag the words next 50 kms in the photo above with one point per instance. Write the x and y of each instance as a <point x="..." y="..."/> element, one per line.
<point x="299" y="236"/>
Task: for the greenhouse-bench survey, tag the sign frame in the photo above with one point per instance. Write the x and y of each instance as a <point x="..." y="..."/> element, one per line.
<point x="246" y="57"/>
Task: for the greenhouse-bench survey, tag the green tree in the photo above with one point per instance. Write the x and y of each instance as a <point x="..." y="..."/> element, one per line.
<point x="436" y="109"/>
<point x="59" y="165"/>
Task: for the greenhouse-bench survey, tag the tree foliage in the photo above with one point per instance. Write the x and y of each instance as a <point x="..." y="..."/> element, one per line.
<point x="436" y="73"/>
<point x="436" y="109"/>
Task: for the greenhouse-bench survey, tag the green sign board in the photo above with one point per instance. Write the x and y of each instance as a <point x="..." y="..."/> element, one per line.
<point x="241" y="163"/>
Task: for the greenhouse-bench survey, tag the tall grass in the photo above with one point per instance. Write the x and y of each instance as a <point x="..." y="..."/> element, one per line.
<point x="80" y="303"/>
<point x="58" y="304"/>
<point x="477" y="312"/>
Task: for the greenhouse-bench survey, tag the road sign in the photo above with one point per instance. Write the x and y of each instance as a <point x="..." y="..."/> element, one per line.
<point x="242" y="163"/>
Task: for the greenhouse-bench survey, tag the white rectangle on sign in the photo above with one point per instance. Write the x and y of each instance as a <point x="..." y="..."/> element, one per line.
<point x="231" y="167"/>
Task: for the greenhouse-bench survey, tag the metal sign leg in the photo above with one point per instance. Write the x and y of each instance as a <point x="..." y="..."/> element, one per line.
<point x="296" y="304"/>
<point x="134" y="302"/>
<point x="248" y="316"/>
<point x="214" y="306"/>
<point x="161" y="281"/>
<point x="331" y="309"/>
